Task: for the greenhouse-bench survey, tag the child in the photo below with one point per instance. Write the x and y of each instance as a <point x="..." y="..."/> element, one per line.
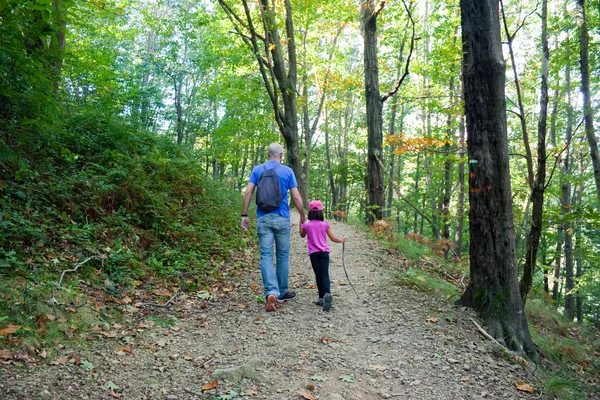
<point x="318" y="251"/>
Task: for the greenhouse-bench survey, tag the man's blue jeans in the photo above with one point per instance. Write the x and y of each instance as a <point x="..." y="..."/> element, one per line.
<point x="273" y="229"/>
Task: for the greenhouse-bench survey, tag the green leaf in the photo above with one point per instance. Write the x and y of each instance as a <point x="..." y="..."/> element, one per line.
<point x="318" y="378"/>
<point x="347" y="378"/>
<point x="110" y="385"/>
<point x="86" y="365"/>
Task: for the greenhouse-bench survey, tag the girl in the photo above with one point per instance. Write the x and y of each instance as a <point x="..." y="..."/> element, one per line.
<point x="318" y="251"/>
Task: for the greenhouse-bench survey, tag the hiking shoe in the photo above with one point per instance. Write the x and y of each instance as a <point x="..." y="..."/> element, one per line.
<point x="271" y="301"/>
<point x="327" y="300"/>
<point x="289" y="295"/>
<point x="319" y="301"/>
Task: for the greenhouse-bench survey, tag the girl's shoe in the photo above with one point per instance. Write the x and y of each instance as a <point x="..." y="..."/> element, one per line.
<point x="327" y="300"/>
<point x="319" y="301"/>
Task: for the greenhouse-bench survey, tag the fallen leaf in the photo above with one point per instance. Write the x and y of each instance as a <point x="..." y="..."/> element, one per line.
<point x="5" y="354"/>
<point x="211" y="385"/>
<point x="254" y="288"/>
<point x="10" y="329"/>
<point x="303" y="355"/>
<point x="111" y="334"/>
<point x="22" y="356"/>
<point x="41" y="321"/>
<point x="43" y="354"/>
<point x="243" y="305"/>
<point x="161" y="292"/>
<point x="307" y="396"/>
<point x="258" y="319"/>
<point x="126" y="300"/>
<point x="142" y="325"/>
<point x="125" y="349"/>
<point x="187" y="358"/>
<point x="433" y="320"/>
<point x="77" y="359"/>
<point x="524" y="387"/>
<point x="59" y="361"/>
<point x="114" y="394"/>
<point x="150" y="347"/>
<point x="262" y="332"/>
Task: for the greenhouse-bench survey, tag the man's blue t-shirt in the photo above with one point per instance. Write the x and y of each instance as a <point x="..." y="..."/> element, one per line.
<point x="287" y="181"/>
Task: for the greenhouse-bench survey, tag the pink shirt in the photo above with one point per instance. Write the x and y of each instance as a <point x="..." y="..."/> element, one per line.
<point x="316" y="235"/>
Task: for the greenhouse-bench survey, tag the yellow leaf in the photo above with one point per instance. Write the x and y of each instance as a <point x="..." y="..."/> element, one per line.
<point x="11" y="329"/>
<point x="271" y="46"/>
<point x="307" y="396"/>
<point x="523" y="386"/>
<point x="570" y="231"/>
<point x="211" y="385"/>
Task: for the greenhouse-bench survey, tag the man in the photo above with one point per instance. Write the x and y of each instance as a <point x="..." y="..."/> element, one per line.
<point x="273" y="227"/>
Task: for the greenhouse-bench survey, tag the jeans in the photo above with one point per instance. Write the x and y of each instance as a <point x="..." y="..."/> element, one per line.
<point x="273" y="229"/>
<point x="320" y="264"/>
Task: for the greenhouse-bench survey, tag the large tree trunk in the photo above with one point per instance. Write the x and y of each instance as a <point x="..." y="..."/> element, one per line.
<point x="588" y="113"/>
<point x="374" y="183"/>
<point x="493" y="288"/>
<point x="539" y="186"/>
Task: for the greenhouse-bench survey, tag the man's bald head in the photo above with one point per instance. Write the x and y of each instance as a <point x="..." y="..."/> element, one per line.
<point x="275" y="150"/>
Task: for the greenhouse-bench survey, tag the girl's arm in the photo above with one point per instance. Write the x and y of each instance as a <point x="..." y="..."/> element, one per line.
<point x="302" y="231"/>
<point x="335" y="238"/>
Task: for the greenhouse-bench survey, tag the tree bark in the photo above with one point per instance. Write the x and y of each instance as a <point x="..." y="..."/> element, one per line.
<point x="374" y="182"/>
<point x="588" y="113"/>
<point x="539" y="186"/>
<point x="493" y="288"/>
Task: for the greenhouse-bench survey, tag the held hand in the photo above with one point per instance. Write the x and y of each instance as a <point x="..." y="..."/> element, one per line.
<point x="343" y="239"/>
<point x="245" y="223"/>
<point x="302" y="219"/>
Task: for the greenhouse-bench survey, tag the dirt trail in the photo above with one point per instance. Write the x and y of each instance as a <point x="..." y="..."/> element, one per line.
<point x="387" y="342"/>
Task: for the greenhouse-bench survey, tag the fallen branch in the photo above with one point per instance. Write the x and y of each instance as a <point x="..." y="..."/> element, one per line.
<point x="490" y="337"/>
<point x="162" y="305"/>
<point x="53" y="302"/>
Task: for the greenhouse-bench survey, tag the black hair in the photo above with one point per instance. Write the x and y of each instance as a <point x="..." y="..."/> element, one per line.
<point x="316" y="214"/>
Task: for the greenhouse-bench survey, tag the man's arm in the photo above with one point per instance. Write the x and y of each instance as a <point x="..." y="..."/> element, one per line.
<point x="297" y="199"/>
<point x="246" y="204"/>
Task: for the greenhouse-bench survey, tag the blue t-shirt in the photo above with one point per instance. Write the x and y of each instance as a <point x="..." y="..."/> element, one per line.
<point x="287" y="181"/>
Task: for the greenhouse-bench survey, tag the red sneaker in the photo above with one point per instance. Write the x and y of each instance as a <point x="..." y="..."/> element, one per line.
<point x="271" y="301"/>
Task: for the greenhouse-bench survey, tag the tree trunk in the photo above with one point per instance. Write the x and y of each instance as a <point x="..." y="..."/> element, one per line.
<point x="578" y="241"/>
<point x="374" y="183"/>
<point x="539" y="186"/>
<point x="416" y="191"/>
<point x="334" y="199"/>
<point x="493" y="288"/>
<point x="588" y="113"/>
<point x="58" y="7"/>
<point x="460" y="207"/>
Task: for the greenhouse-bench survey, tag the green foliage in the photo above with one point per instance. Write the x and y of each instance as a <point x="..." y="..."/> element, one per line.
<point x="562" y="387"/>
<point x="423" y="281"/>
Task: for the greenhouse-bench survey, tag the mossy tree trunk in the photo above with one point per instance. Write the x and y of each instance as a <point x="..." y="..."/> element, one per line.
<point x="493" y="289"/>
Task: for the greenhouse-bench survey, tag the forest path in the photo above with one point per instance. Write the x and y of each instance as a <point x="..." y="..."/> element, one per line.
<point x="386" y="341"/>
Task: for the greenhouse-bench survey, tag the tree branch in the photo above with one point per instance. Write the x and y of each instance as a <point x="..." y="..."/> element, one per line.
<point x="412" y="45"/>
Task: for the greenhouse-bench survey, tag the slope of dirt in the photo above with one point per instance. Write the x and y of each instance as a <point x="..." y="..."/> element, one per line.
<point x="382" y="342"/>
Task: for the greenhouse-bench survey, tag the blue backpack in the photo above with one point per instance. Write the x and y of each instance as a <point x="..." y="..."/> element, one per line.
<point x="268" y="190"/>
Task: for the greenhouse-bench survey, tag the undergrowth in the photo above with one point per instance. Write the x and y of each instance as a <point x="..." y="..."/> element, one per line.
<point x="570" y="352"/>
<point x="122" y="208"/>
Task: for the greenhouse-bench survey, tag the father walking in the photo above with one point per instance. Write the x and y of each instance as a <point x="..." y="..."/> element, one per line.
<point x="273" y="227"/>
